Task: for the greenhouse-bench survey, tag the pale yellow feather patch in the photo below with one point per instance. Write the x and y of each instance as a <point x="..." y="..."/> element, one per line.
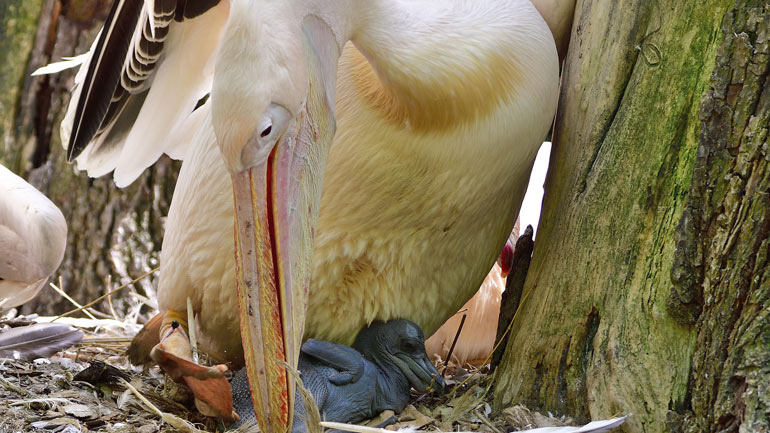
<point x="444" y="101"/>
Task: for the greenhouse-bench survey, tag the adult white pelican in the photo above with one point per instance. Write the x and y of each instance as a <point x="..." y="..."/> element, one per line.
<point x="33" y="235"/>
<point x="439" y="109"/>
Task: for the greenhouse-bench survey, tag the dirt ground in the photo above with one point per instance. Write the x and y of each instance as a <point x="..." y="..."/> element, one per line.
<point x="91" y="387"/>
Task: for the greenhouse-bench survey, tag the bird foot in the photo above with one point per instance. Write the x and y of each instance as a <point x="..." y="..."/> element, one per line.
<point x="143" y="342"/>
<point x="213" y="396"/>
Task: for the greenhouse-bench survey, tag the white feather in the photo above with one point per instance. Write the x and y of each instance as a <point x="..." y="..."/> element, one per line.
<point x="180" y="81"/>
<point x="66" y="63"/>
<point x="149" y="6"/>
<point x="592" y="427"/>
<point x="65" y="129"/>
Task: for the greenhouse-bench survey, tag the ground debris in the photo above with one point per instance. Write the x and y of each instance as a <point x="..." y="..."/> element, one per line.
<point x="79" y="390"/>
<point x="466" y="407"/>
<point x="83" y="390"/>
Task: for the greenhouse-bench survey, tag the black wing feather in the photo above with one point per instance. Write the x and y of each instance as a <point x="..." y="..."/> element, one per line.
<point x="123" y="62"/>
<point x="103" y="73"/>
<point x="188" y="9"/>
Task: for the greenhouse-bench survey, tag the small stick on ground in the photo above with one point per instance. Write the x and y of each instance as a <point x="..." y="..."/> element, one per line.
<point x="353" y="427"/>
<point x="109" y="298"/>
<point x="111" y="292"/>
<point x="72" y="301"/>
<point x="52" y="400"/>
<point x="11" y="387"/>
<point x="359" y="428"/>
<point x="484" y="420"/>
<point x="454" y="342"/>
<point x="172" y="420"/>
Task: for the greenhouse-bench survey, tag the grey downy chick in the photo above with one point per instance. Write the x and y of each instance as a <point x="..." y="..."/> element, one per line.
<point x="353" y="384"/>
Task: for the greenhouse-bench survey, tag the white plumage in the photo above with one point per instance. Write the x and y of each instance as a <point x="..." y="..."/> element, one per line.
<point x="375" y="255"/>
<point x="33" y="235"/>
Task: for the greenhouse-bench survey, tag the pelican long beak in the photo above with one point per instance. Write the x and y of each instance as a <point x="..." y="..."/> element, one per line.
<point x="276" y="206"/>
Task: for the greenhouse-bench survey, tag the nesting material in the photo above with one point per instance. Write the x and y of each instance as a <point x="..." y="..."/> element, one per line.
<point x="91" y="387"/>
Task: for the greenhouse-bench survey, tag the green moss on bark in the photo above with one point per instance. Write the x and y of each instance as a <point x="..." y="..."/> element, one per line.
<point x="18" y="25"/>
<point x="594" y="322"/>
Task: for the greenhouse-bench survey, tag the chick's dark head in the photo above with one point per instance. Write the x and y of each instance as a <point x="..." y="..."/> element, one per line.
<point x="400" y="344"/>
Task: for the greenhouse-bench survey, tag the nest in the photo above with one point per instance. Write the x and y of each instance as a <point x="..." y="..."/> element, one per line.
<point x="92" y="387"/>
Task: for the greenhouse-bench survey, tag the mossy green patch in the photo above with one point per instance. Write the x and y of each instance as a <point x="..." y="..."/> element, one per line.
<point x="18" y="26"/>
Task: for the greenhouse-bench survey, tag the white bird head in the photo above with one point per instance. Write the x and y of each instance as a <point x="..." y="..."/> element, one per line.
<point x="281" y="49"/>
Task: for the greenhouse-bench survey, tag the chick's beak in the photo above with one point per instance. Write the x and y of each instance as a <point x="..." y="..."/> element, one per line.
<point x="420" y="372"/>
<point x="437" y="383"/>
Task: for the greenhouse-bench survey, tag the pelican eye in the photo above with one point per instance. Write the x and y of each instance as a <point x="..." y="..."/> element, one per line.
<point x="271" y="126"/>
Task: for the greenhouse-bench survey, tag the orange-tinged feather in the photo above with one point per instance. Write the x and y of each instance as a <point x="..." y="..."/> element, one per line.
<point x="440" y="102"/>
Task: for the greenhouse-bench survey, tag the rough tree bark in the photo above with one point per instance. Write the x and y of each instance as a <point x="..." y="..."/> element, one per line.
<point x="721" y="271"/>
<point x="114" y="235"/>
<point x="649" y="288"/>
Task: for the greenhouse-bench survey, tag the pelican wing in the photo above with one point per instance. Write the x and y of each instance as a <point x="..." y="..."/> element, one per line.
<point x="136" y="94"/>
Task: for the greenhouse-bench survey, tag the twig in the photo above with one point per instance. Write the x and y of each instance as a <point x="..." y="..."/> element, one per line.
<point x="312" y="414"/>
<point x="507" y="329"/>
<point x="173" y="420"/>
<point x="98" y="313"/>
<point x="38" y="400"/>
<point x="359" y="428"/>
<point x="146" y="274"/>
<point x="454" y="342"/>
<point x="191" y="331"/>
<point x="353" y="427"/>
<point x="72" y="301"/>
<point x="109" y="298"/>
<point x="11" y="387"/>
<point x="116" y="340"/>
<point x="484" y="420"/>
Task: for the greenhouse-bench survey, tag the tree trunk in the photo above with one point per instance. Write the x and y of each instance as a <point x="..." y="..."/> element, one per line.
<point x="649" y="288"/>
<point x="114" y="235"/>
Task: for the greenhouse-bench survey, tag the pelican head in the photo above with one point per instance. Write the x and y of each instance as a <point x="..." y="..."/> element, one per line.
<point x="274" y="122"/>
